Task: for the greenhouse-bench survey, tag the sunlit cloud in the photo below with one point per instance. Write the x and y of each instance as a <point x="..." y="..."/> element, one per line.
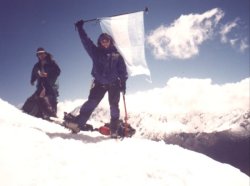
<point x="244" y="45"/>
<point x="189" y="95"/>
<point x="225" y="29"/>
<point x="235" y="41"/>
<point x="184" y="36"/>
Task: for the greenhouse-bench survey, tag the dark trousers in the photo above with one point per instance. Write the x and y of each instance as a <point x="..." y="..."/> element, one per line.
<point x="51" y="94"/>
<point x="96" y="94"/>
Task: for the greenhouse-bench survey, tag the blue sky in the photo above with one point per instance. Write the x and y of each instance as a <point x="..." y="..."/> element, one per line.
<point x="192" y="39"/>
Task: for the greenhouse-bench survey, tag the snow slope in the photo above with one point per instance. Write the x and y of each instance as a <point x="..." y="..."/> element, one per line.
<point x="37" y="152"/>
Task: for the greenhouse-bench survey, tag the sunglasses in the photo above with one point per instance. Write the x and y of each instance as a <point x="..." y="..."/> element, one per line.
<point x="105" y="41"/>
<point x="40" y="53"/>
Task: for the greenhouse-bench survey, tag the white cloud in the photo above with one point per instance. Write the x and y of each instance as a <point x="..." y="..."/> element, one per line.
<point x="182" y="38"/>
<point x="244" y="45"/>
<point x="184" y="104"/>
<point x="225" y="29"/>
<point x="235" y="42"/>
<point x="189" y="95"/>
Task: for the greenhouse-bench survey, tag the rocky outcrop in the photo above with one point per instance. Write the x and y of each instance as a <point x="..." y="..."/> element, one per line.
<point x="225" y="146"/>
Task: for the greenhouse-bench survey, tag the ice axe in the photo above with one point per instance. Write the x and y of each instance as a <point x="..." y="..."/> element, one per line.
<point x="125" y="109"/>
<point x="126" y="125"/>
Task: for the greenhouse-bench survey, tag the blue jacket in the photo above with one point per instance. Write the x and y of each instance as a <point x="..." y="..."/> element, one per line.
<point x="49" y="83"/>
<point x="108" y="64"/>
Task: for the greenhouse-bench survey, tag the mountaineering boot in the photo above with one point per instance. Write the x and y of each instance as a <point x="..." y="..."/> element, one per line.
<point x="113" y="135"/>
<point x="86" y="127"/>
<point x="69" y="123"/>
<point x="72" y="122"/>
<point x="72" y="126"/>
<point x="113" y="128"/>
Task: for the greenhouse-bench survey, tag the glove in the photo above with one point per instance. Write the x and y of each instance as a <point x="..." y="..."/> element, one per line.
<point x="123" y="86"/>
<point x="79" y="24"/>
<point x="42" y="74"/>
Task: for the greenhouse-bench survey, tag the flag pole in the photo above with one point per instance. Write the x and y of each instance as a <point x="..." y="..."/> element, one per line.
<point x="97" y="19"/>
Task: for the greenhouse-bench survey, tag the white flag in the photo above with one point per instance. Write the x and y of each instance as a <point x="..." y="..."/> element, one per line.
<point x="128" y="33"/>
